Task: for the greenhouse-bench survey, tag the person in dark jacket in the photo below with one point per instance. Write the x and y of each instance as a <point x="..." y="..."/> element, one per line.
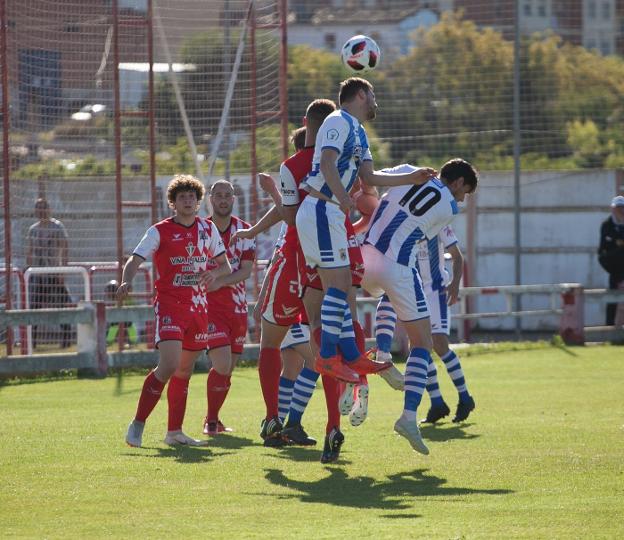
<point x="611" y="250"/>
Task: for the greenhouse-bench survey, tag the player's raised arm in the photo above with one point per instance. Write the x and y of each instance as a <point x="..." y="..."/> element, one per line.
<point x="386" y="179"/>
<point x="129" y="271"/>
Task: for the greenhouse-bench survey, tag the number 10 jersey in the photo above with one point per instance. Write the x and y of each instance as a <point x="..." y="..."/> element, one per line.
<point x="409" y="214"/>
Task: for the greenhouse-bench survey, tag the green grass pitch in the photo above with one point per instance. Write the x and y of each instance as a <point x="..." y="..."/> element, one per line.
<point x="542" y="456"/>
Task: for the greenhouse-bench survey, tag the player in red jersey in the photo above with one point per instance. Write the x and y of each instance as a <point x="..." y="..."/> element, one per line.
<point x="282" y="305"/>
<point x="181" y="247"/>
<point x="227" y="304"/>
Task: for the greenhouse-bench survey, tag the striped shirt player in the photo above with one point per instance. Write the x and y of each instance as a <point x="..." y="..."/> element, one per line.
<point x="406" y="216"/>
<point x="320" y="223"/>
<point x="179" y="254"/>
<point x="227" y="306"/>
<point x="435" y="277"/>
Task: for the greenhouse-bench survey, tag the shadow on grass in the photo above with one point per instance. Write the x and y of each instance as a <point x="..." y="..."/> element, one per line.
<point x="397" y="492"/>
<point x="230" y="442"/>
<point x="307" y="454"/>
<point x="180" y="453"/>
<point x="446" y="432"/>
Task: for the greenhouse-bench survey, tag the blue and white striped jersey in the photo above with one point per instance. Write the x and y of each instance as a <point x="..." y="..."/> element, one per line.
<point x="409" y="214"/>
<point x="347" y="136"/>
<point x="430" y="259"/>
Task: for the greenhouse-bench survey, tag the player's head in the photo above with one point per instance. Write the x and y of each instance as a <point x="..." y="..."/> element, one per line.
<point x="297" y="138"/>
<point x="317" y="111"/>
<point x="184" y="183"/>
<point x="42" y="209"/>
<point x="222" y="198"/>
<point x="358" y="92"/>
<point x="460" y="177"/>
<point x="617" y="208"/>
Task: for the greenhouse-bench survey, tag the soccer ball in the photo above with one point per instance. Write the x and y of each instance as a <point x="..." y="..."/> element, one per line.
<point x="360" y="54"/>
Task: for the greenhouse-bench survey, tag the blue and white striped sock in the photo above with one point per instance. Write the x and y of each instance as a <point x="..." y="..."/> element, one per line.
<point x="433" y="388"/>
<point x="284" y="396"/>
<point x="454" y="369"/>
<point x="385" y="323"/>
<point x="302" y="392"/>
<point x="347" y="343"/>
<point x="415" y="381"/>
<point x="332" y="315"/>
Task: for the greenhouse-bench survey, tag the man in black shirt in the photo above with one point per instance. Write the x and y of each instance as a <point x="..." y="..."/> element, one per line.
<point x="611" y="250"/>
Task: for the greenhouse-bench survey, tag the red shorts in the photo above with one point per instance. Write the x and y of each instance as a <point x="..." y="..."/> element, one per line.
<point x="176" y="322"/>
<point x="282" y="303"/>
<point x="226" y="328"/>
<point x="311" y="278"/>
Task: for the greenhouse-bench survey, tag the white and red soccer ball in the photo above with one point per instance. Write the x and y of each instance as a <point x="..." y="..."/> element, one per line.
<point x="361" y="54"/>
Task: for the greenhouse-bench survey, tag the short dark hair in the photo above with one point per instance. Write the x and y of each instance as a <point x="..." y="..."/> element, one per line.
<point x="350" y="87"/>
<point x="458" y="168"/>
<point x="41" y="203"/>
<point x="317" y="111"/>
<point x="184" y="182"/>
<point x="297" y="137"/>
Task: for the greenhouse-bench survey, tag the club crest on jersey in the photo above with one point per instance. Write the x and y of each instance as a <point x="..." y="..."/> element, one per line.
<point x="343" y="254"/>
<point x="211" y="328"/>
<point x="190" y="249"/>
<point x="332" y="135"/>
<point x="166" y="319"/>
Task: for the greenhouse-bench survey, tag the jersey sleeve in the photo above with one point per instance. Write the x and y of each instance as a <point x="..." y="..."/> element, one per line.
<point x="400" y="169"/>
<point x="447" y="236"/>
<point x="148" y="244"/>
<point x="334" y="133"/>
<point x="290" y="192"/>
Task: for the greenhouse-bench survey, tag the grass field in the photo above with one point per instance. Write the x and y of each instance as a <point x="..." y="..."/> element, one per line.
<point x="542" y="456"/>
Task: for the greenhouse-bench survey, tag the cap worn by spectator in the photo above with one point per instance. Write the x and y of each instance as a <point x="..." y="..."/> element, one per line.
<point x="617" y="201"/>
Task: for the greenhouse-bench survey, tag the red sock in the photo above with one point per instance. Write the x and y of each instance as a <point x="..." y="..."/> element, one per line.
<point x="152" y="389"/>
<point x="269" y="369"/>
<point x="217" y="387"/>
<point x="331" y="387"/>
<point x="177" y="391"/>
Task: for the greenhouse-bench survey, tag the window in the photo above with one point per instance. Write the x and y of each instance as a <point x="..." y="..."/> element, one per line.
<point x="591" y="9"/>
<point x="527" y="8"/>
<point x="605" y="47"/>
<point x="606" y="10"/>
<point x="541" y="8"/>
<point x="330" y="42"/>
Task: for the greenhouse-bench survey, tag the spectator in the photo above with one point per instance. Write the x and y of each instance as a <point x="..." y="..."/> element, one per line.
<point x="611" y="250"/>
<point x="47" y="247"/>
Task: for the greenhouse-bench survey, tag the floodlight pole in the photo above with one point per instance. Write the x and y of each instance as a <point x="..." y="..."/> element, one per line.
<point x="517" y="150"/>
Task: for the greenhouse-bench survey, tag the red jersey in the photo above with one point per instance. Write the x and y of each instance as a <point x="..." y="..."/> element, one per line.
<point x="293" y="171"/>
<point x="233" y="297"/>
<point x="180" y="253"/>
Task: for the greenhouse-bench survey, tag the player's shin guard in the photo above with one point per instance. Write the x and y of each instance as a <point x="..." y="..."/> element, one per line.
<point x="454" y="369"/>
<point x="332" y="390"/>
<point x="217" y="388"/>
<point x="284" y="397"/>
<point x="415" y="381"/>
<point x="269" y="369"/>
<point x="433" y="388"/>
<point x="332" y="316"/>
<point x="385" y="324"/>
<point x="347" y="343"/>
<point x="150" y="395"/>
<point x="302" y="392"/>
<point x="177" y="392"/>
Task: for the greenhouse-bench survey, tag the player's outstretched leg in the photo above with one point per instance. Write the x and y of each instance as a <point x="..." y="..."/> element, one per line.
<point x="466" y="403"/>
<point x="150" y="395"/>
<point x="439" y="409"/>
<point x="415" y="381"/>
<point x="302" y="393"/>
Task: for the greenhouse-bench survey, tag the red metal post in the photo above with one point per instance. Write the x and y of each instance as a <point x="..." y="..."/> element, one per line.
<point x="6" y="166"/>
<point x="283" y="74"/>
<point x="253" y="192"/>
<point x="151" y="111"/>
<point x="117" y="135"/>
<point x="572" y="322"/>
